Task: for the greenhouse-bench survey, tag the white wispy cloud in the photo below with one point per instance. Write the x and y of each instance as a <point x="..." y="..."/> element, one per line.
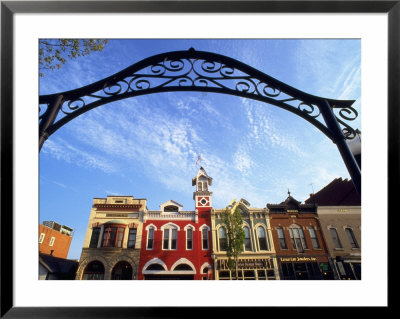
<point x="62" y="150"/>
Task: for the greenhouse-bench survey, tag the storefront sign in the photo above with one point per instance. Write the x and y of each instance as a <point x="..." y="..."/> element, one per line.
<point x="244" y="264"/>
<point x="291" y="259"/>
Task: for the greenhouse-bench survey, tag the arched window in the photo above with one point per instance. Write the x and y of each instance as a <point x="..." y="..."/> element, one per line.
<point x="262" y="239"/>
<point x="189" y="238"/>
<point x="352" y="238"/>
<point x="150" y="238"/>
<point x="281" y="236"/>
<point x="94" y="271"/>
<point x="122" y="271"/>
<point x="335" y="238"/>
<point x="204" y="238"/>
<point x="297" y="238"/>
<point x="222" y="239"/>
<point x="170" y="237"/>
<point x="313" y="235"/>
<point x="113" y="235"/>
<point x="155" y="267"/>
<point x="247" y="241"/>
<point x="183" y="267"/>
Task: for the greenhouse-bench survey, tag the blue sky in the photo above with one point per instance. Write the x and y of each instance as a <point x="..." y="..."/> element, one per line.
<point x="147" y="146"/>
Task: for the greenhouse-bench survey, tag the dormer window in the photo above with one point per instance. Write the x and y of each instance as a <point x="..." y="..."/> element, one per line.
<point x="171" y="208"/>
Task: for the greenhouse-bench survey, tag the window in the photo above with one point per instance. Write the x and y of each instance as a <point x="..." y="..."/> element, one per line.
<point x="247" y="241"/>
<point x="314" y="239"/>
<point x="335" y="238"/>
<point x="132" y="237"/>
<point x="94" y="271"/>
<point x="222" y="238"/>
<point x="52" y="241"/>
<point x="352" y="239"/>
<point x="204" y="238"/>
<point x="297" y="238"/>
<point x="189" y="238"/>
<point x="95" y="237"/>
<point x="150" y="238"/>
<point x="281" y="236"/>
<point x="170" y="238"/>
<point x="113" y="236"/>
<point x="41" y="237"/>
<point x="262" y="240"/>
<point x="200" y="186"/>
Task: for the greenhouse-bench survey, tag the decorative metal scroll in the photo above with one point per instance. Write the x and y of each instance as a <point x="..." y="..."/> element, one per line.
<point x="196" y="71"/>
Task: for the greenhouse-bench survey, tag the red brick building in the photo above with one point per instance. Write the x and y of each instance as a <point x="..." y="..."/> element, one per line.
<point x="176" y="244"/>
<point x="54" y="239"/>
<point x="299" y="243"/>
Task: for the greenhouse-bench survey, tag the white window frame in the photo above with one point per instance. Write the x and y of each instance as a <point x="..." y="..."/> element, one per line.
<point x="169" y="228"/>
<point x="41" y="237"/>
<point x="147" y="239"/>
<point x="187" y="227"/>
<point x="208" y="237"/>
<point x="52" y="240"/>
<point x="218" y="237"/>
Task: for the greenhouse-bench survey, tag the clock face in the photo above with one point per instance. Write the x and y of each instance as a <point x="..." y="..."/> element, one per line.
<point x="203" y="201"/>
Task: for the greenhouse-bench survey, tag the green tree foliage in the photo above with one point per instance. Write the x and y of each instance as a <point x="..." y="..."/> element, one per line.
<point x="235" y="235"/>
<point x="53" y="53"/>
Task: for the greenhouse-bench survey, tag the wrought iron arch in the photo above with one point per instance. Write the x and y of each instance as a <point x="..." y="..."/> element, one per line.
<point x="202" y="71"/>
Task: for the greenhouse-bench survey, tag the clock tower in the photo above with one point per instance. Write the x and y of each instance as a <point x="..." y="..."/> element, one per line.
<point x="202" y="196"/>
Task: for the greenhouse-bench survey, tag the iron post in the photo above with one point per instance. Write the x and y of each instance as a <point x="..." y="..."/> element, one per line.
<point x="49" y="118"/>
<point x="339" y="139"/>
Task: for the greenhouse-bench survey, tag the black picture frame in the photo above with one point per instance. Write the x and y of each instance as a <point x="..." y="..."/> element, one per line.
<point x="9" y="8"/>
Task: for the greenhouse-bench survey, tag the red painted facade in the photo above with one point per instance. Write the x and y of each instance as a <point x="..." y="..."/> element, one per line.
<point x="180" y="262"/>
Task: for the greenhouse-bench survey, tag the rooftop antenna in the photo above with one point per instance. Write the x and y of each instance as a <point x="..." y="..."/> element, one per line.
<point x="312" y="187"/>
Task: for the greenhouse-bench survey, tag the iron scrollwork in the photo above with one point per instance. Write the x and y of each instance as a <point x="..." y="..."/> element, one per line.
<point x="199" y="71"/>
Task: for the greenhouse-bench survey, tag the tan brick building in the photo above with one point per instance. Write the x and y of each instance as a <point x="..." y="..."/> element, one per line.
<point x="339" y="211"/>
<point x="112" y="243"/>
